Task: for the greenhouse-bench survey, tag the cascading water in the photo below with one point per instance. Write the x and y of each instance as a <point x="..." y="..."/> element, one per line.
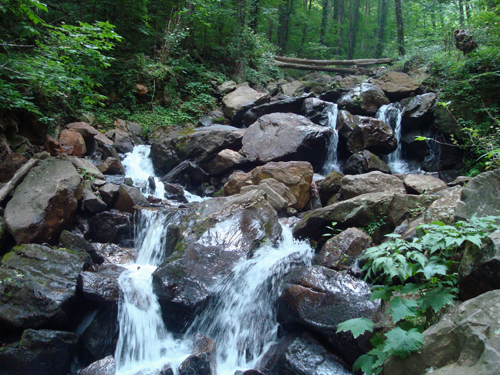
<point x="139" y="166"/>
<point x="392" y="115"/>
<point x="332" y="161"/>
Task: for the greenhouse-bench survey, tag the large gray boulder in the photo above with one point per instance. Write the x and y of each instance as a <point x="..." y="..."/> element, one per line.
<point x="105" y="366"/>
<point x="199" y="145"/>
<point x="419" y="112"/>
<point x="364" y="162"/>
<point x="101" y="286"/>
<point x="318" y="111"/>
<point x="130" y="197"/>
<point x="285" y="137"/>
<point x="208" y="240"/>
<point x="41" y="293"/>
<point x="464" y="342"/>
<point x="373" y="182"/>
<point x="241" y="100"/>
<point x="480" y="196"/>
<point x="422" y="184"/>
<point x="364" y="99"/>
<point x="44" y="203"/>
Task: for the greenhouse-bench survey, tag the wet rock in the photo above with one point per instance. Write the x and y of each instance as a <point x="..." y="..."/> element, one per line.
<point x="44" y="203"/>
<point x="329" y="186"/>
<point x="480" y="267"/>
<point x="111" y="166"/>
<point x="212" y="237"/>
<point x="76" y="242"/>
<point x="318" y="299"/>
<point x="105" y="366"/>
<point x="365" y="162"/>
<point x="187" y="174"/>
<point x="444" y="208"/>
<point x="273" y="197"/>
<point x="464" y="341"/>
<point x="359" y="211"/>
<point x="372" y="182"/>
<point x="287" y="105"/>
<point x="85" y="167"/>
<point x="40" y="352"/>
<point x="480" y="196"/>
<point x="240" y="100"/>
<point x="72" y="143"/>
<point x="418" y="113"/>
<point x="333" y="95"/>
<point x="130" y="197"/>
<point x="175" y="192"/>
<point x="101" y="286"/>
<point x="285" y="137"/>
<point x="297" y="176"/>
<point x="318" y="111"/>
<point x="203" y="359"/>
<point x="10" y="165"/>
<point x="42" y="291"/>
<point x="225" y="161"/>
<point x="367" y="133"/>
<point x="364" y="99"/>
<point x="420" y="184"/>
<point x="114" y="254"/>
<point x="396" y="85"/>
<point x="199" y="145"/>
<point x="111" y="227"/>
<point x="302" y="355"/>
<point x="342" y="251"/>
<point x="109" y="193"/>
<point x="87" y="132"/>
<point x="92" y="203"/>
<point x="103" y="141"/>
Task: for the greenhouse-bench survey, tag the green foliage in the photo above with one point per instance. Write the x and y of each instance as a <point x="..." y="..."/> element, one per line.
<point x="418" y="282"/>
<point x="377" y="221"/>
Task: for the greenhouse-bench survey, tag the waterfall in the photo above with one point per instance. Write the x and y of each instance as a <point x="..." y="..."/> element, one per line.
<point x="392" y="115"/>
<point x="241" y="320"/>
<point x="139" y="167"/>
<point x="332" y="161"/>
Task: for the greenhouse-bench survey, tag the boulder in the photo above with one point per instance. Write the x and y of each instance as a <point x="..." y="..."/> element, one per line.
<point x="72" y="143"/>
<point x="101" y="287"/>
<point x="444" y="208"/>
<point x="367" y="133"/>
<point x="199" y="145"/>
<point x="44" y="203"/>
<point x="333" y="95"/>
<point x="52" y="146"/>
<point x="480" y="196"/>
<point x="76" y="242"/>
<point x="102" y="140"/>
<point x="105" y="366"/>
<point x="281" y="189"/>
<point x="422" y="184"/>
<point x="372" y="182"/>
<point x="297" y="176"/>
<point x="128" y="198"/>
<point x="287" y="105"/>
<point x="84" y="166"/>
<point x="285" y="137"/>
<point x="41" y="293"/>
<point x="211" y="238"/>
<point x="464" y="342"/>
<point x="203" y="359"/>
<point x="10" y="165"/>
<point x="187" y="174"/>
<point x="302" y="355"/>
<point x="92" y="204"/>
<point x="174" y="192"/>
<point x="109" y="193"/>
<point x="277" y="194"/>
<point x="87" y="132"/>
<point x="225" y="161"/>
<point x="122" y="141"/>
<point x="227" y="87"/>
<point x="418" y="113"/>
<point x="111" y="227"/>
<point x="396" y="85"/>
<point x="114" y="254"/>
<point x="342" y="251"/>
<point x="111" y="166"/>
<point x="479" y="270"/>
<point x="318" y="299"/>
<point x="241" y="100"/>
<point x="360" y="211"/>
<point x="40" y="352"/>
<point x="364" y="99"/>
<point x="318" y="111"/>
<point x="364" y="162"/>
<point x="293" y="88"/>
<point x="329" y="186"/>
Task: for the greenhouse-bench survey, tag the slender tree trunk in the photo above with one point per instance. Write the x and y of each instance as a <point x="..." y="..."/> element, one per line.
<point x="270" y="30"/>
<point x="399" y="27"/>
<point x="285" y="10"/>
<point x="461" y="13"/>
<point x="324" y="20"/>
<point x="254" y="14"/>
<point x="381" y="28"/>
<point x="353" y="27"/>
<point x="467" y="10"/>
<point x="338" y="15"/>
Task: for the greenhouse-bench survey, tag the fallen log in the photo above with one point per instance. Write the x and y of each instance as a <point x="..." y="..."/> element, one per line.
<point x="14" y="181"/>
<point x="358" y="62"/>
<point x="320" y="68"/>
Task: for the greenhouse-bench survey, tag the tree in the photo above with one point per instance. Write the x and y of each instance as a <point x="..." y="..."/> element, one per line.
<point x="353" y="27"/>
<point x="399" y="27"/>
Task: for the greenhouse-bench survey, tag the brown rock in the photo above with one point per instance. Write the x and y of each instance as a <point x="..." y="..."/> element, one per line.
<point x="83" y="128"/>
<point x="364" y="162"/>
<point x="418" y="184"/>
<point x="396" y="85"/>
<point x="72" y="143"/>
<point x="111" y="166"/>
<point x="236" y="181"/>
<point x="329" y="186"/>
<point x="364" y="99"/>
<point x="52" y="146"/>
<point x="242" y="98"/>
<point x="128" y="198"/>
<point x="85" y="167"/>
<point x="141" y="89"/>
<point x="224" y="161"/>
<point x="373" y="182"/>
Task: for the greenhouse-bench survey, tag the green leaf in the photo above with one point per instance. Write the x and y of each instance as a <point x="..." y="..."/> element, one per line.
<point x="437" y="298"/>
<point x="433" y="268"/>
<point x="384" y="293"/>
<point x="366" y="363"/>
<point x="402" y="308"/>
<point x="357" y="326"/>
<point x="401" y="343"/>
<point x="421" y="138"/>
<point x="410" y="288"/>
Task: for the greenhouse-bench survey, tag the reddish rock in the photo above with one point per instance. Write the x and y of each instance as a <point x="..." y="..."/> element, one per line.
<point x="72" y="143"/>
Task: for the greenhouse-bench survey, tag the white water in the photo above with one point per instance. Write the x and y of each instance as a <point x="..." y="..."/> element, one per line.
<point x="332" y="161"/>
<point x="139" y="167"/>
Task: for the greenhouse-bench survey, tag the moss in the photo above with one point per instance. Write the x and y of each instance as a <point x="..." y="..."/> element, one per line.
<point x="219" y="193"/>
<point x="7" y="256"/>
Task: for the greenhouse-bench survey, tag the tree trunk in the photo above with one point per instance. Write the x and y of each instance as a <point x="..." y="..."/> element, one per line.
<point x="461" y="13"/>
<point x="338" y="15"/>
<point x="353" y="27"/>
<point x="285" y="10"/>
<point x="324" y="20"/>
<point x="320" y="68"/>
<point x="467" y="10"/>
<point x="358" y="62"/>
<point x="399" y="27"/>
<point x="254" y="14"/>
<point x="381" y="29"/>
